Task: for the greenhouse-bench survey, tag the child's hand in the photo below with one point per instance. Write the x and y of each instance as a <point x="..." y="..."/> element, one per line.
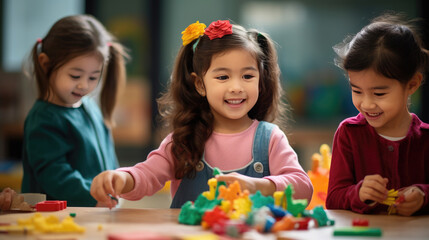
<point x="110" y="184"/>
<point x="249" y="183"/>
<point x="373" y="188"/>
<point x="6" y="197"/>
<point x="413" y="201"/>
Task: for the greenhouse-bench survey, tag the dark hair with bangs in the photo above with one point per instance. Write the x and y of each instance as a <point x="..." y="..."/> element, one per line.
<point x="389" y="45"/>
<point x="75" y="36"/>
<point x="188" y="113"/>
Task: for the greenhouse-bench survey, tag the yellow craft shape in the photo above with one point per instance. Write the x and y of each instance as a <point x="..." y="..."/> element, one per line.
<point x="210" y="195"/>
<point x="51" y="224"/>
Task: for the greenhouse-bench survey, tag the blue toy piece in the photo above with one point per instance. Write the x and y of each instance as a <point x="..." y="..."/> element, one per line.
<point x="278" y="212"/>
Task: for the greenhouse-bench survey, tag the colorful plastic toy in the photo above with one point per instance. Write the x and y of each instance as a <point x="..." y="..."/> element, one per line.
<point x="294" y="206"/>
<point x="49" y="206"/>
<point x="359" y="222"/>
<point x="50" y="224"/>
<point x="234" y="211"/>
<point x="319" y="176"/>
<point x="358" y="231"/>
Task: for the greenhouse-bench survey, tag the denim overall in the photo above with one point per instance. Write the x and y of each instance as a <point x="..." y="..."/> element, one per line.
<point x="189" y="189"/>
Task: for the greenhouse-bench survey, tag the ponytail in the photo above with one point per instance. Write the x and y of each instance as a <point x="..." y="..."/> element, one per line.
<point x="114" y="81"/>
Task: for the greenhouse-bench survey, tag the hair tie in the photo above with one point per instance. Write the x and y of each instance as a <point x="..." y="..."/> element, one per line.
<point x="39" y="46"/>
<point x="262" y="40"/>
<point x="195" y="45"/>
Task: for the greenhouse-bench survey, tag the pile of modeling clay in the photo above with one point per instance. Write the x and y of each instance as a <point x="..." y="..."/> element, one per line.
<point x="42" y="224"/>
<point x="227" y="210"/>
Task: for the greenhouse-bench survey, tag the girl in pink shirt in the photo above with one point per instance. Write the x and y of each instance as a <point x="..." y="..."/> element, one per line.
<point x="224" y="90"/>
<point x="384" y="147"/>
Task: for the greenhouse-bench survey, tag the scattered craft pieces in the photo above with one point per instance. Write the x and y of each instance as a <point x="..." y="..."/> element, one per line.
<point x="234" y="212"/>
<point x="42" y="224"/>
<point x="49" y="206"/>
<point x="360" y="222"/>
<point x="358" y="231"/>
<point x="18" y="204"/>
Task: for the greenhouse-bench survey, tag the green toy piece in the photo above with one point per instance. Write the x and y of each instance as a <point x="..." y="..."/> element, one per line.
<point x="191" y="214"/>
<point x="217" y="171"/>
<point x="260" y="200"/>
<point x="322" y="219"/>
<point x="358" y="231"/>
<point x="295" y="207"/>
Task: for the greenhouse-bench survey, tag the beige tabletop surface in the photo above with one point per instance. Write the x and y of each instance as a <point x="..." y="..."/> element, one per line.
<point x="102" y="222"/>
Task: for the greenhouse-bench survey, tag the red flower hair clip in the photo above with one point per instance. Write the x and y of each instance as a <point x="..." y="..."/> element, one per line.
<point x="218" y="29"/>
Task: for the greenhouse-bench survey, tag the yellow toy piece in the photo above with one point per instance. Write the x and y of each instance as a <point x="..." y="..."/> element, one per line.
<point x="279" y="200"/>
<point x="392" y="198"/>
<point x="242" y="206"/>
<point x="51" y="224"/>
<point x="210" y="195"/>
<point x="319" y="176"/>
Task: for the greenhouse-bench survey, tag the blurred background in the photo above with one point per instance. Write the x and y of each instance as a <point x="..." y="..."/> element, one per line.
<point x="305" y="32"/>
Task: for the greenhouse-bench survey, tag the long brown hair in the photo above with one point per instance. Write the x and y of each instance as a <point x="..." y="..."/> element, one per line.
<point x="75" y="36"/>
<point x="188" y="113"/>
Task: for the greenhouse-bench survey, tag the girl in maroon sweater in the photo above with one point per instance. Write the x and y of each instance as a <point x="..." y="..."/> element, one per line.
<point x="385" y="146"/>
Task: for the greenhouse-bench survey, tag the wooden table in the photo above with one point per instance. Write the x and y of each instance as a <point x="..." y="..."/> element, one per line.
<point x="164" y="221"/>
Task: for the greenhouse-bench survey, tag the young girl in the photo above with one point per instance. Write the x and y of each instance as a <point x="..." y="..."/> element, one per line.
<point x="66" y="141"/>
<point x="224" y="86"/>
<point x="385" y="146"/>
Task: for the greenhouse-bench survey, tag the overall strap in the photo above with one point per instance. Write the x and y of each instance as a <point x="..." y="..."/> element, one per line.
<point x="261" y="143"/>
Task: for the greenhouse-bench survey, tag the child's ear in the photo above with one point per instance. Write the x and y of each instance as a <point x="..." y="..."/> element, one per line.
<point x="414" y="83"/>
<point x="43" y="61"/>
<point x="199" y="84"/>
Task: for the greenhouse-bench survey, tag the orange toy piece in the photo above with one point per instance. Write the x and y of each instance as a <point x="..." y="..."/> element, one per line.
<point x="319" y="176"/>
<point x="286" y="223"/>
<point x="232" y="192"/>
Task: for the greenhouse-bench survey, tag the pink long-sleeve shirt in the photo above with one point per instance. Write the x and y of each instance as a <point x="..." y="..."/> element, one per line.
<point x="358" y="151"/>
<point x="227" y="152"/>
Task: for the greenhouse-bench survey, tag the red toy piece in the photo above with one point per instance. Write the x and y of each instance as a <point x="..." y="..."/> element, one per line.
<point x="215" y="216"/>
<point x="302" y="223"/>
<point x="360" y="222"/>
<point x="48" y="206"/>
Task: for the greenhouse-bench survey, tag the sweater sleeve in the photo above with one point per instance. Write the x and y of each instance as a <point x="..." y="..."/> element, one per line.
<point x="150" y="175"/>
<point x="425" y="207"/>
<point x="285" y="168"/>
<point x="47" y="149"/>
<point x="343" y="190"/>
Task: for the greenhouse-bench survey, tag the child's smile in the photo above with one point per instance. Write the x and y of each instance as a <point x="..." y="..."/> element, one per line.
<point x="231" y="86"/>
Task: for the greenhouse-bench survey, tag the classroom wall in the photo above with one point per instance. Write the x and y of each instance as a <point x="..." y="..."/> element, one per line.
<point x="305" y="32"/>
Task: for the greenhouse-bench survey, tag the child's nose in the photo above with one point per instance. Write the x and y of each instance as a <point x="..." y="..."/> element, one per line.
<point x="236" y="86"/>
<point x="83" y="84"/>
<point x="367" y="103"/>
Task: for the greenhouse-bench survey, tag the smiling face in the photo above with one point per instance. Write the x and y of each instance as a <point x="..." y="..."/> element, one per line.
<point x="231" y="85"/>
<point x="75" y="79"/>
<point x="383" y="101"/>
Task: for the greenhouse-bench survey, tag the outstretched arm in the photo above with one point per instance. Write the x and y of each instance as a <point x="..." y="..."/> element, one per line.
<point x="109" y="184"/>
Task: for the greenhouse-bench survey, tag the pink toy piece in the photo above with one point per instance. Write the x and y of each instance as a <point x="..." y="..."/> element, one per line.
<point x="47" y="206"/>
